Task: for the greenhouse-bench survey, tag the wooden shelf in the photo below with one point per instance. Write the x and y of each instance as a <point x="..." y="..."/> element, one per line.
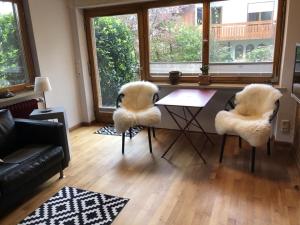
<point x="210" y="86"/>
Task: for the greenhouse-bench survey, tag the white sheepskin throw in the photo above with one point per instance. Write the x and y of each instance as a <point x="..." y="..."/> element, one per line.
<point x="250" y="118"/>
<point x="137" y="106"/>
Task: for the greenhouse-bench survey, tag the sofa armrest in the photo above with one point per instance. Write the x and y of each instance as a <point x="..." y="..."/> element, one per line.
<point x="43" y="132"/>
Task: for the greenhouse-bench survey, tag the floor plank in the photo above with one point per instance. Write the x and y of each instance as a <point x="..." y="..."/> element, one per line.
<point x="180" y="190"/>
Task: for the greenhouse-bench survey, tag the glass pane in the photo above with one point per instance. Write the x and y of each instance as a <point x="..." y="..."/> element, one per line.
<point x="253" y="17"/>
<point x="242" y="43"/>
<point x="175" y="39"/>
<point x="13" y="68"/>
<point x="117" y="49"/>
<point x="266" y="16"/>
<point x="216" y="15"/>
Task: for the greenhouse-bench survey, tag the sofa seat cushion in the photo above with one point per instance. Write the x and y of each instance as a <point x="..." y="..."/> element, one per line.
<point x="27" y="164"/>
<point x="28" y="152"/>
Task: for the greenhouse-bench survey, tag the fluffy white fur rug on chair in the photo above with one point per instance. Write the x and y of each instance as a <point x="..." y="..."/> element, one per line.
<point x="250" y="118"/>
<point x="137" y="106"/>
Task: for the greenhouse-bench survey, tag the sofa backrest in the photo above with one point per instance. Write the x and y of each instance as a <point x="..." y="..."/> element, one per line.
<point x="7" y="133"/>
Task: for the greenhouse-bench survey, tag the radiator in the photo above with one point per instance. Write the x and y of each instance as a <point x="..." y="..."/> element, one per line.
<point x="22" y="109"/>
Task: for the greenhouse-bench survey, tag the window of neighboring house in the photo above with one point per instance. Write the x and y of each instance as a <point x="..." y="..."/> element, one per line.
<point x="199" y="16"/>
<point x="260" y="16"/>
<point x="266" y="15"/>
<point x="261" y="11"/>
<point x="15" y="59"/>
<point x="216" y="15"/>
<point x="253" y="16"/>
<point x="249" y="48"/>
<point x="239" y="52"/>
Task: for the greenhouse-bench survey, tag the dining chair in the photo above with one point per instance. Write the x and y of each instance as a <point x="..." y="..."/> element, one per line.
<point x="135" y="106"/>
<point x="249" y="115"/>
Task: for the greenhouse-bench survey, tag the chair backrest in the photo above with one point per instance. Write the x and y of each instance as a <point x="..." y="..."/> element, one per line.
<point x="138" y="95"/>
<point x="257" y="99"/>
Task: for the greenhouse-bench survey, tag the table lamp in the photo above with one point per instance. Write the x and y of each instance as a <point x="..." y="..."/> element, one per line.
<point x="42" y="84"/>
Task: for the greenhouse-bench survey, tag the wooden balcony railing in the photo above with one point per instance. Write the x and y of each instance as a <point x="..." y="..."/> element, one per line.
<point x="243" y="31"/>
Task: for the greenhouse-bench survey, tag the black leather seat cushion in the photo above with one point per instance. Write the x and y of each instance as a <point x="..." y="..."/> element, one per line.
<point x="26" y="164"/>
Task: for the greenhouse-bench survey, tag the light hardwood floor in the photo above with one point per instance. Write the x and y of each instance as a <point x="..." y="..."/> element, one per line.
<point x="181" y="191"/>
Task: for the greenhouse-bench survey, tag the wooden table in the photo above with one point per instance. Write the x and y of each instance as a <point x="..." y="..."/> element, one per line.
<point x="187" y="99"/>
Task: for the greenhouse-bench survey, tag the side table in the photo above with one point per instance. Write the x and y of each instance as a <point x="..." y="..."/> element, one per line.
<point x="57" y="113"/>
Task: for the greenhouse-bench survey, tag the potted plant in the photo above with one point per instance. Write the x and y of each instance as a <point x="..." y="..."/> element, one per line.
<point x="204" y="78"/>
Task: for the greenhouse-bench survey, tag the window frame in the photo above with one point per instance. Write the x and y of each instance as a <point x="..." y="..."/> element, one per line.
<point x="26" y="47"/>
<point x="142" y="8"/>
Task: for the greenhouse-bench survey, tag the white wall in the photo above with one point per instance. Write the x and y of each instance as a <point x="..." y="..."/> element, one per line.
<point x="55" y="52"/>
<point x="292" y="36"/>
<point x="82" y="63"/>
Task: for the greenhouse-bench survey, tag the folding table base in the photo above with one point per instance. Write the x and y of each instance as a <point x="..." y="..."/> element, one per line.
<point x="183" y="129"/>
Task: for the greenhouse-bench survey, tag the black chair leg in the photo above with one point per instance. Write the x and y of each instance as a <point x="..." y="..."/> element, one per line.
<point x="240" y="142"/>
<point x="153" y="131"/>
<point x="123" y="142"/>
<point x="222" y="147"/>
<point x="149" y="139"/>
<point x="269" y="147"/>
<point x="130" y="133"/>
<point x="253" y="159"/>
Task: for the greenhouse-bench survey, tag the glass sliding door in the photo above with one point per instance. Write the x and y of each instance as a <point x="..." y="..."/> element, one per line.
<point x="117" y="57"/>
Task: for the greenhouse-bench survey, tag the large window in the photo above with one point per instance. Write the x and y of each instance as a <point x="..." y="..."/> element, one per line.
<point x="240" y="41"/>
<point x="15" y="61"/>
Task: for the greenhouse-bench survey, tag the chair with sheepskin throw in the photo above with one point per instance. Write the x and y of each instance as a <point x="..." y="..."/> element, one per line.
<point x="249" y="115"/>
<point x="135" y="106"/>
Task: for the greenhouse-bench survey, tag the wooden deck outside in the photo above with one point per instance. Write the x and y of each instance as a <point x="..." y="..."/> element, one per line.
<point x="243" y="31"/>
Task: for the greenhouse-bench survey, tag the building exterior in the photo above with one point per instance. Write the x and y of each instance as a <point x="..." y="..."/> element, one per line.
<point x="240" y="25"/>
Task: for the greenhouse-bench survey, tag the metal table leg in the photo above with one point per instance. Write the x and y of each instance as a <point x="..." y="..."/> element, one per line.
<point x="197" y="122"/>
<point x="183" y="131"/>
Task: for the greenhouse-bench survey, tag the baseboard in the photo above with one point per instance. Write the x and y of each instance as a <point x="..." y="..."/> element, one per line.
<point x="293" y="149"/>
<point x="296" y="154"/>
<point x="283" y="144"/>
<point x="82" y="124"/>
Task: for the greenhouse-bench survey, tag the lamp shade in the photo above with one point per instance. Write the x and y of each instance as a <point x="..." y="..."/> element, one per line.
<point x="42" y="84"/>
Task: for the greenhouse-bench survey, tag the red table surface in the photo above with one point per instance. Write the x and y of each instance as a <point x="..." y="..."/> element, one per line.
<point x="188" y="97"/>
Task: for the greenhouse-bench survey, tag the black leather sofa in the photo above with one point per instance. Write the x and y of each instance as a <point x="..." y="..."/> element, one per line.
<point x="31" y="152"/>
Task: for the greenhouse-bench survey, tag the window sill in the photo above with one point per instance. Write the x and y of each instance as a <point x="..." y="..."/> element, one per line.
<point x="19" y="97"/>
<point x="211" y="86"/>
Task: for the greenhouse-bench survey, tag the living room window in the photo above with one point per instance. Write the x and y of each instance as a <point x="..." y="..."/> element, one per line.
<point x="16" y="67"/>
<point x="184" y="35"/>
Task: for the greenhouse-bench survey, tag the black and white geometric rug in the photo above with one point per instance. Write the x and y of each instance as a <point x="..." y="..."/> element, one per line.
<point x="73" y="206"/>
<point x="110" y="130"/>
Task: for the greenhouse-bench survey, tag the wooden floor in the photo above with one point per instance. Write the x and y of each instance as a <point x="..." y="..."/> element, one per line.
<point x="181" y="190"/>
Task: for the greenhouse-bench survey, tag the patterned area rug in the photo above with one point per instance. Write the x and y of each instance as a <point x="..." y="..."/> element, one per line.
<point x="110" y="130"/>
<point x="73" y="206"/>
